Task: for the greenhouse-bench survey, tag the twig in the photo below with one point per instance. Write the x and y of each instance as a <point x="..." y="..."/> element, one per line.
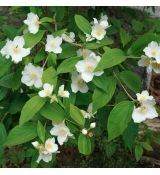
<point x="124" y="87"/>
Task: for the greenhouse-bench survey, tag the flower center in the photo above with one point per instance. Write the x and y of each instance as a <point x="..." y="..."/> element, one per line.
<point x="89" y="68"/>
<point x="16" y="50"/>
<point x="98" y="32"/>
<point x="62" y="93"/>
<point x="34" y="76"/>
<point x="53" y="45"/>
<point x="80" y="82"/>
<point x="143" y="109"/>
<point x="62" y="132"/>
<point x="153" y="52"/>
<point x="49" y="146"/>
<point x="147" y="61"/>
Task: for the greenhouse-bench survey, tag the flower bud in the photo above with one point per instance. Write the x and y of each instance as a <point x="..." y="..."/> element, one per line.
<point x="93" y="125"/>
<point x="84" y="131"/>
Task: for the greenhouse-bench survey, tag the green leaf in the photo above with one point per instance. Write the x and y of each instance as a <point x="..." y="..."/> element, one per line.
<point x="67" y="65"/>
<point x="119" y="118"/>
<point x="9" y="30"/>
<point x="60" y="12"/>
<point x="77" y="115"/>
<point x="3" y="92"/>
<point x="68" y="51"/>
<point x="111" y="58"/>
<point x="41" y="55"/>
<point x="21" y="134"/>
<point x="110" y="149"/>
<point x="108" y="86"/>
<point x="137" y="26"/>
<point x="138" y="152"/>
<point x="84" y="144"/>
<point x="52" y="58"/>
<point x="31" y="107"/>
<point x="132" y="80"/>
<point x="53" y="112"/>
<point x="3" y="135"/>
<point x="146" y="146"/>
<point x="130" y="134"/>
<point x="41" y="131"/>
<point x="17" y="103"/>
<point x="4" y="66"/>
<point x="32" y="39"/>
<point x="137" y="47"/>
<point x="94" y="45"/>
<point x="12" y="80"/>
<point x="50" y="76"/>
<point x="125" y="37"/>
<point x="46" y="19"/>
<point x="83" y="24"/>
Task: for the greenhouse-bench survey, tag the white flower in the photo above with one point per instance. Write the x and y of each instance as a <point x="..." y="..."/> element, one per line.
<point x="89" y="113"/>
<point x="145" y="111"/>
<point x="46" y="150"/>
<point x="53" y="44"/>
<point x="93" y="125"/>
<point x="156" y="67"/>
<point x="145" y="97"/>
<point x="98" y="32"/>
<point x="69" y="38"/>
<point x="78" y="84"/>
<point x="98" y="28"/>
<point x="15" y="49"/>
<point x="84" y="131"/>
<point x="86" y="67"/>
<point x="33" y="22"/>
<point x="47" y="90"/>
<point x="150" y="64"/>
<point x="62" y="92"/>
<point x="153" y="51"/>
<point x="145" y="62"/>
<point x="84" y="53"/>
<point x="62" y="132"/>
<point x="32" y="76"/>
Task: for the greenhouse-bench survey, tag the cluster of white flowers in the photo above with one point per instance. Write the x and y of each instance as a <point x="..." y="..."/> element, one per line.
<point x="98" y="28"/>
<point x="48" y="90"/>
<point x="146" y="109"/>
<point x="151" y="59"/>
<point x="85" y="70"/>
<point x="49" y="147"/>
